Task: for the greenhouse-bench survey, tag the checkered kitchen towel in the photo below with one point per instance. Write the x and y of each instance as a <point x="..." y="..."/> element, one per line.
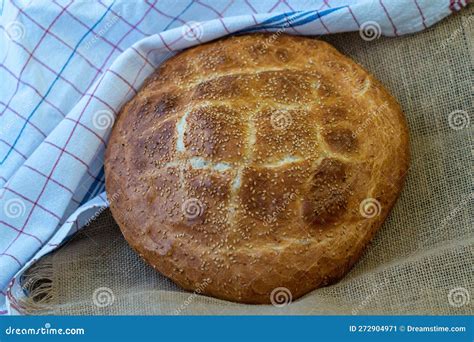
<point x="67" y="67"/>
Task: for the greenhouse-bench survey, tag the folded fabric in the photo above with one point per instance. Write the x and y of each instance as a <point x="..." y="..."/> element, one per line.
<point x="68" y="67"/>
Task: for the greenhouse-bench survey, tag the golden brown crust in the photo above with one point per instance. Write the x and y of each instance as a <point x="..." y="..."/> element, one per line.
<point x="246" y="164"/>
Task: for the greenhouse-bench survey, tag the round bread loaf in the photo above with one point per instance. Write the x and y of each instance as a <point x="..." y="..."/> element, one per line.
<point x="254" y="164"/>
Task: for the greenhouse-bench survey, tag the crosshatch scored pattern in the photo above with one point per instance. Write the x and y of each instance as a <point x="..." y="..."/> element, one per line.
<point x="263" y="140"/>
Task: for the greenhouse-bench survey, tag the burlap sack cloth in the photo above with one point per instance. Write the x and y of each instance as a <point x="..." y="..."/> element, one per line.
<point x="421" y="261"/>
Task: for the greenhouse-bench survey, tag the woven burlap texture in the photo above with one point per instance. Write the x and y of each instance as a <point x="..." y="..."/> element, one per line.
<point x="420" y="262"/>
